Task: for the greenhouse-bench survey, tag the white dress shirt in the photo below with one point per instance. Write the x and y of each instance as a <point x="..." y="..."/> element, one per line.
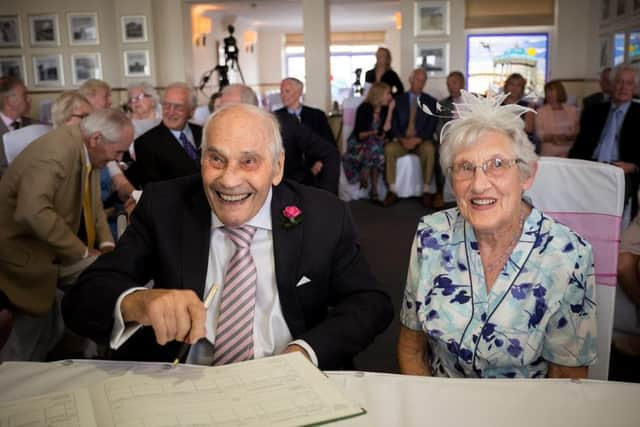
<point x="271" y="334"/>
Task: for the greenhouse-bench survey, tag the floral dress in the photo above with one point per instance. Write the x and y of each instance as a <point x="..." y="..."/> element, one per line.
<point x="540" y="309"/>
<point x="363" y="155"/>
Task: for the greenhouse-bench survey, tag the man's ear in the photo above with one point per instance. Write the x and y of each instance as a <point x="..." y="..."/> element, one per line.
<point x="94" y="139"/>
<point x="279" y="172"/>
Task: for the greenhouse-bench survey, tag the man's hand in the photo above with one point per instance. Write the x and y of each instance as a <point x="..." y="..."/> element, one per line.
<point x="129" y="205"/>
<point x="626" y="166"/>
<point x="410" y="143"/>
<point x="316" y="168"/>
<point x="295" y="347"/>
<point x="173" y="314"/>
<point x="93" y="252"/>
<point x="106" y="248"/>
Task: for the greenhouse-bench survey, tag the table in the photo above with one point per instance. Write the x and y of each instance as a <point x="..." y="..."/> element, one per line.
<point x="397" y="400"/>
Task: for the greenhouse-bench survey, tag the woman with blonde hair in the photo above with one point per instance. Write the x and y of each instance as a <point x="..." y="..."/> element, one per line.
<point x="556" y="121"/>
<point x="364" y="158"/>
<point x="382" y="72"/>
<point x="70" y="108"/>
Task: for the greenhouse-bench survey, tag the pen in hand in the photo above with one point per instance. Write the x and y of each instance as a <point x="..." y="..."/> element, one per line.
<point x="184" y="348"/>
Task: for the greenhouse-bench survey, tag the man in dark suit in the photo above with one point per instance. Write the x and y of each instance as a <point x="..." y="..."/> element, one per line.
<point x="300" y="144"/>
<point x="303" y="282"/>
<point x="413" y="132"/>
<point x="171" y="149"/>
<point x="14" y="103"/>
<point x="609" y="130"/>
<point x="605" y="90"/>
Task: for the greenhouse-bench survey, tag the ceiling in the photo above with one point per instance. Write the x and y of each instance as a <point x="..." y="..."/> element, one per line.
<point x="346" y="15"/>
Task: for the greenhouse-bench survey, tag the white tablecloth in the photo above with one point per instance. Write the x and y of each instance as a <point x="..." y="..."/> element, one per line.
<point x="396" y="400"/>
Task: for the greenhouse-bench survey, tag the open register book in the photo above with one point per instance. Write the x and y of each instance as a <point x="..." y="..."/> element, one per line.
<point x="282" y="390"/>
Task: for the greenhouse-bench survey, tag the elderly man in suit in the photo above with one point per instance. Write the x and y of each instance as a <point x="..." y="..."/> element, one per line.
<point x="52" y="224"/>
<point x="172" y="148"/>
<point x="300" y="144"/>
<point x="413" y="132"/>
<point x="609" y="130"/>
<point x="284" y="257"/>
<point x="14" y="104"/>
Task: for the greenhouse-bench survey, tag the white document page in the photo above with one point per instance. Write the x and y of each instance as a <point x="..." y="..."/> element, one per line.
<point x="67" y="408"/>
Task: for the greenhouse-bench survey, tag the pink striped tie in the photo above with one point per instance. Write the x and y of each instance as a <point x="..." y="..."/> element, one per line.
<point x="234" y="334"/>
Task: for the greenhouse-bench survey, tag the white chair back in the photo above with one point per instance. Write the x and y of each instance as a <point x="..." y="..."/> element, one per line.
<point x="349" y="107"/>
<point x="17" y="140"/>
<point x="589" y="198"/>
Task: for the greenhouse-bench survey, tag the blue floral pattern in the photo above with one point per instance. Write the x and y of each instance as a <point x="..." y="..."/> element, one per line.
<point x="540" y="309"/>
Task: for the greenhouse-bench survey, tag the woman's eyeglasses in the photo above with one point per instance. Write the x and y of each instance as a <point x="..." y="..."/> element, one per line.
<point x="139" y="97"/>
<point x="493" y="168"/>
<point x="80" y="116"/>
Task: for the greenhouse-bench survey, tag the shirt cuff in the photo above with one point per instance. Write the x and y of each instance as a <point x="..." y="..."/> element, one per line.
<point x="113" y="168"/>
<point x="308" y="349"/>
<point x="105" y="244"/>
<point x="121" y="332"/>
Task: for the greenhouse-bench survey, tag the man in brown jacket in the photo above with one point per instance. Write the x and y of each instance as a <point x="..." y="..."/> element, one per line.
<point x="52" y="224"/>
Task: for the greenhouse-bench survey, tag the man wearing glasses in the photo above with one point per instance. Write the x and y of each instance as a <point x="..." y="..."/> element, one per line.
<point x="172" y="148"/>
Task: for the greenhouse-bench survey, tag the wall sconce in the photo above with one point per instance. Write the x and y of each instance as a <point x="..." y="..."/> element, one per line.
<point x="398" y="20"/>
<point x="249" y="39"/>
<point x="201" y="27"/>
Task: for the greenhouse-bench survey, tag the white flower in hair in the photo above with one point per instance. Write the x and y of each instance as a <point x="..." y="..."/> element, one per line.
<point x="476" y="106"/>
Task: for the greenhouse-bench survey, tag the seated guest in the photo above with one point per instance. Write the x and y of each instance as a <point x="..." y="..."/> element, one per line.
<point x="382" y="72"/>
<point x="313" y="118"/>
<point x="514" y="88"/>
<point x="172" y="148"/>
<point x="52" y="224"/>
<point x="98" y="92"/>
<point x="363" y="160"/>
<point x="609" y="131"/>
<point x="556" y="121"/>
<point x="413" y="132"/>
<point x="495" y="288"/>
<point x="70" y="108"/>
<point x="14" y="104"/>
<point x="629" y="280"/>
<point x="288" y="251"/>
<point x="300" y="143"/>
<point x="143" y="102"/>
<point x="606" y="88"/>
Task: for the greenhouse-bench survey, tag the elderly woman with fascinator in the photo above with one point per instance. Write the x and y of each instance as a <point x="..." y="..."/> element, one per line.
<point x="495" y="288"/>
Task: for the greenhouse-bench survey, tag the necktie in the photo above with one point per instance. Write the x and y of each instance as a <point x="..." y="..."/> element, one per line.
<point x="89" y="223"/>
<point x="16" y="125"/>
<point x="607" y="150"/>
<point x="234" y="334"/>
<point x="190" y="149"/>
<point x="411" y="126"/>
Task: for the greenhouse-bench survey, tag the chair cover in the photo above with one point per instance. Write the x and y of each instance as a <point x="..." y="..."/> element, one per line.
<point x="17" y="140"/>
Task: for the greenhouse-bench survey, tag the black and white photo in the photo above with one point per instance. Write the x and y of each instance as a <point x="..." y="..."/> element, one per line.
<point x="12" y="66"/>
<point x="433" y="58"/>
<point x="134" y="29"/>
<point x="47" y="70"/>
<point x="44" y="30"/>
<point x="136" y="63"/>
<point x="83" y="28"/>
<point x="10" y="31"/>
<point x="85" y="66"/>
<point x="431" y="18"/>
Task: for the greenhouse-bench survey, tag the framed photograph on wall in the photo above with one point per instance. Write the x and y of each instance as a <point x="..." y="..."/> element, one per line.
<point x="10" y="31"/>
<point x="431" y="18"/>
<point x="85" y="66"/>
<point x="605" y="51"/>
<point x="83" y="29"/>
<point x="136" y="63"/>
<point x="13" y="66"/>
<point x="134" y="29"/>
<point x="44" y="30"/>
<point x="433" y="58"/>
<point x="47" y="70"/>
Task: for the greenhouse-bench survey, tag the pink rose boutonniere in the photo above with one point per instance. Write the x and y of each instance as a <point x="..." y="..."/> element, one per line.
<point x="292" y="216"/>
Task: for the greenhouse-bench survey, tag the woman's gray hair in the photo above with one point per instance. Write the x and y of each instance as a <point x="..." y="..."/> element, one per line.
<point x="477" y="115"/>
<point x="63" y="106"/>
<point x="109" y="122"/>
<point x="272" y="128"/>
<point x="146" y="88"/>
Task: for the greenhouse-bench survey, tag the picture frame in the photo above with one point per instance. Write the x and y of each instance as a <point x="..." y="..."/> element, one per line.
<point x="621" y="7"/>
<point x="13" y="66"/>
<point x="10" y="34"/>
<point x="136" y="63"/>
<point x="134" y="29"/>
<point x="85" y="66"/>
<point x="431" y="18"/>
<point x="44" y="30"/>
<point x="605" y="51"/>
<point x="83" y="29"/>
<point x="48" y="70"/>
<point x="605" y="10"/>
<point x="432" y="57"/>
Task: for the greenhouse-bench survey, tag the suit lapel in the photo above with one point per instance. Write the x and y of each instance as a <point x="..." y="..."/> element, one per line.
<point x="287" y="247"/>
<point x="196" y="232"/>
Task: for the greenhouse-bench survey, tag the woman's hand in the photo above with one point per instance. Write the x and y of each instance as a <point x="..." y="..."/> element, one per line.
<point x="412" y="352"/>
<point x="573" y="372"/>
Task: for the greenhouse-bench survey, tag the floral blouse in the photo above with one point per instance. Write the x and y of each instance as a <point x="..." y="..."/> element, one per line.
<point x="540" y="309"/>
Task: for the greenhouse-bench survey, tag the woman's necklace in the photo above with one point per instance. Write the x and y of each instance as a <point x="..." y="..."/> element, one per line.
<point x="501" y="259"/>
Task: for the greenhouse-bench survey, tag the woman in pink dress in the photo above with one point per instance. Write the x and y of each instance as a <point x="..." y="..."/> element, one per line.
<point x="556" y="122"/>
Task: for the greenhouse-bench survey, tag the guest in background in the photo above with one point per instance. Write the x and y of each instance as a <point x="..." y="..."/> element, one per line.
<point x="606" y="89"/>
<point x="556" y="121"/>
<point x="629" y="280"/>
<point x="98" y="92"/>
<point x="515" y="86"/>
<point x="495" y="288"/>
<point x="382" y="72"/>
<point x="143" y="102"/>
<point x="364" y="159"/>
<point x="70" y="108"/>
<point x="14" y="105"/>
